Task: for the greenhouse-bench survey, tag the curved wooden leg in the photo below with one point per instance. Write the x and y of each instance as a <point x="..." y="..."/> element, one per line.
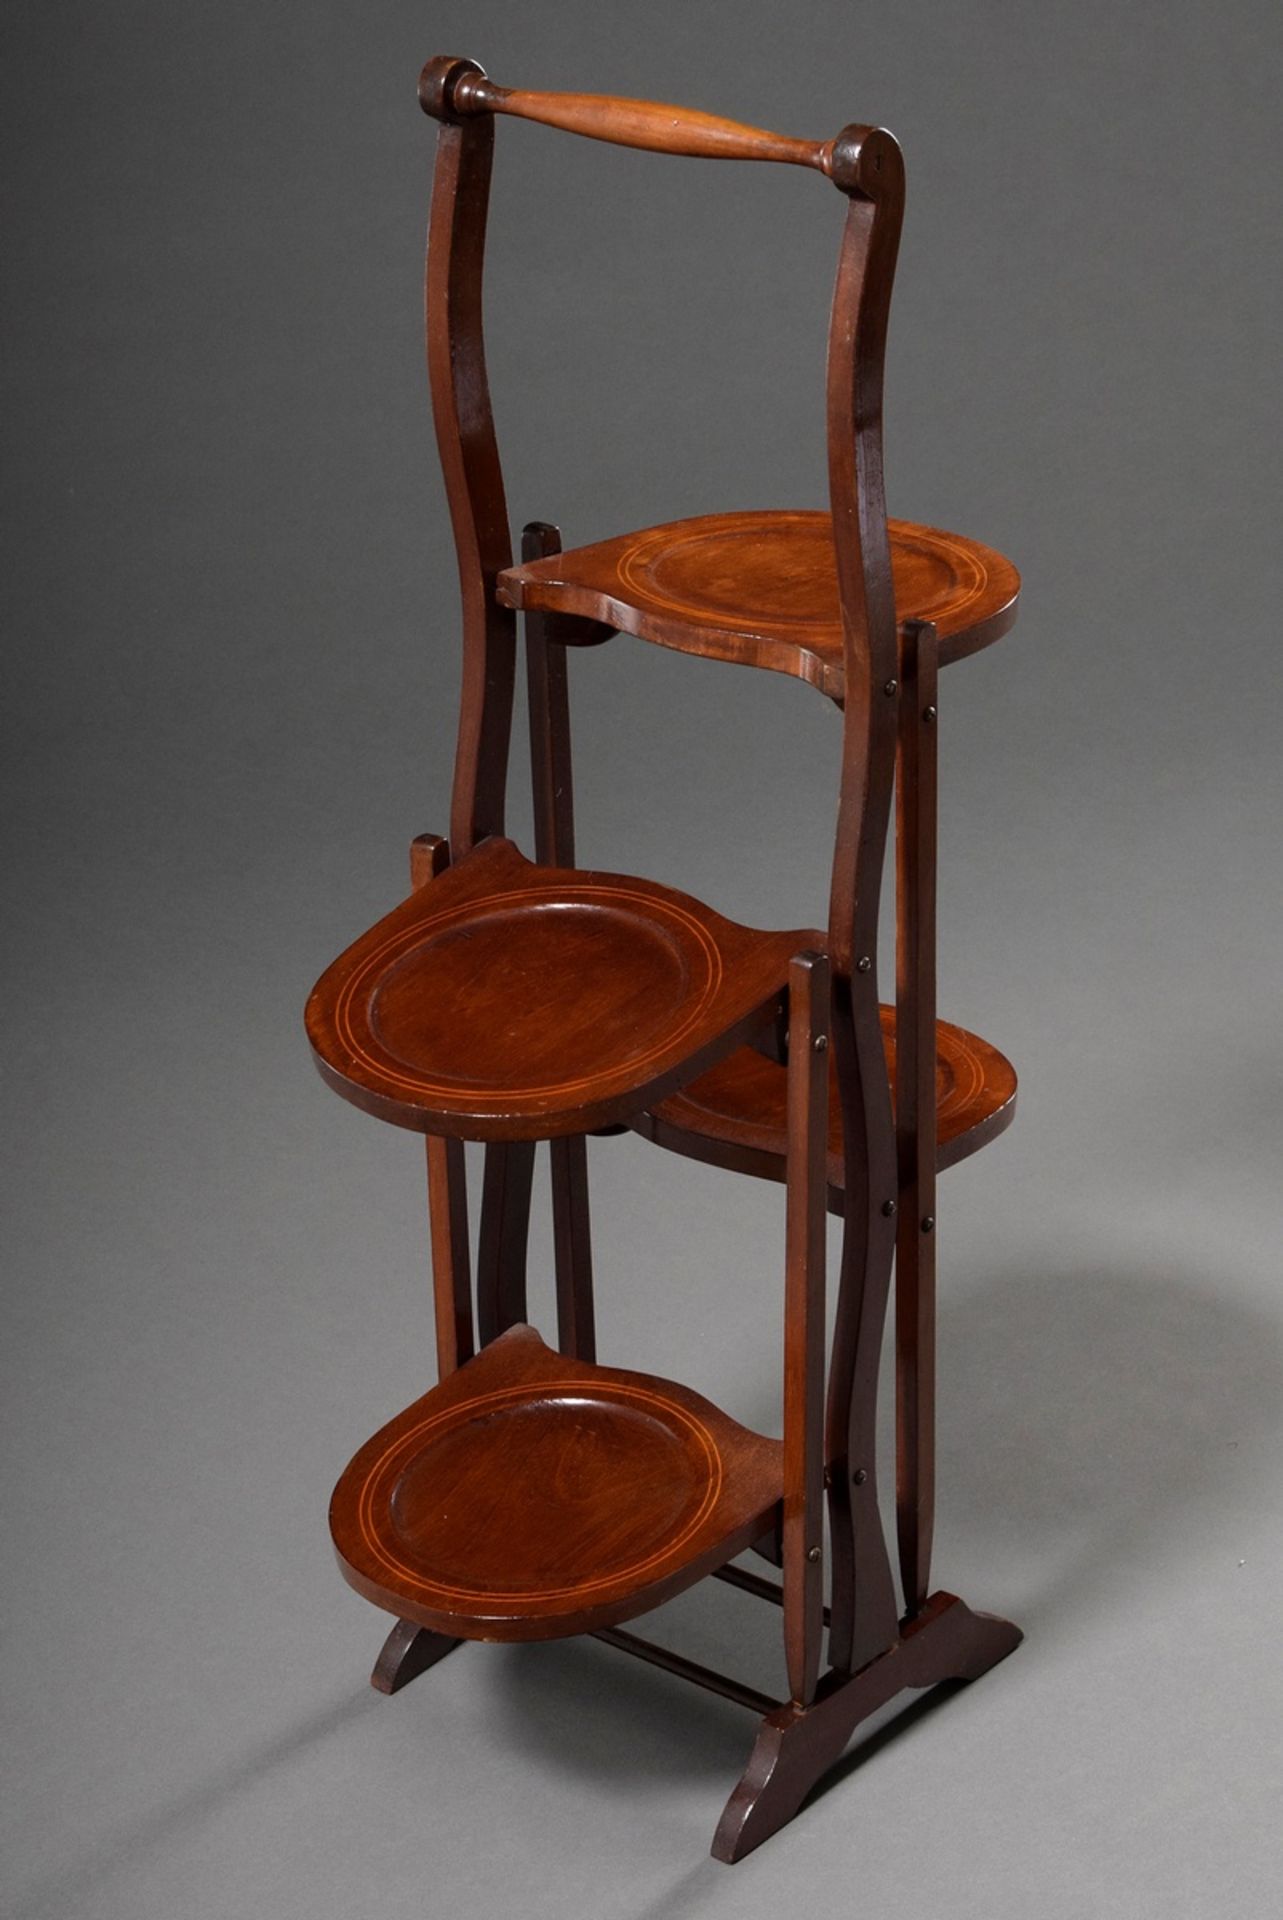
<point x="408" y="1651"/>
<point x="865" y="1614"/>
<point x="915" y="1108"/>
<point x="796" y="1746"/>
<point x="802" y="1507"/>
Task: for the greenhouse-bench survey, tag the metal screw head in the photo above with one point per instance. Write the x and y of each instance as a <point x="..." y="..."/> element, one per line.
<point x="929" y="714"/>
<point x="928" y="1224"/>
<point x="888" y="1208"/>
<point x="820" y="1044"/>
<point x="813" y="1554"/>
<point x="891" y="688"/>
<point x="863" y="964"/>
<point x="859" y="1476"/>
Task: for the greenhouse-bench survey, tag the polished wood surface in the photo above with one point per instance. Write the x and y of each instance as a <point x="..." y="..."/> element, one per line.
<point x="504" y="1236"/>
<point x="917" y="1105"/>
<point x="802" y="1545"/>
<point x="531" y="1495"/>
<point x="761" y="589"/>
<point x="796" y="1746"/>
<point x="408" y="1651"/>
<point x="552" y="781"/>
<point x="470" y="467"/>
<point x="452" y="89"/>
<point x="451" y="1265"/>
<point x="508" y="1001"/>
<point x="447" y="1196"/>
<point x="734" y="1115"/>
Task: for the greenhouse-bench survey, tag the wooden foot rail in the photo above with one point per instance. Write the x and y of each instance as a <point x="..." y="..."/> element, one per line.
<point x="706" y="1677"/>
<point x="755" y="1584"/>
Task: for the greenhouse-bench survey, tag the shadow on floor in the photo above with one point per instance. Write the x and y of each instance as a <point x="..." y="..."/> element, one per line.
<point x="1088" y="1415"/>
<point x="64" y="1893"/>
<point x="1084" y="1414"/>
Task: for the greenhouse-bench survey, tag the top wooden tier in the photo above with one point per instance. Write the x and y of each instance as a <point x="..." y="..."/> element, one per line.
<point x="761" y="589"/>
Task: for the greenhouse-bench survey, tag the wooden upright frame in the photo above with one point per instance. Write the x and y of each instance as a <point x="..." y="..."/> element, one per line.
<point x="876" y="1646"/>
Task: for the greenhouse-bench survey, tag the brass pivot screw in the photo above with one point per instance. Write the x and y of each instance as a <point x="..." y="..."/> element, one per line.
<point x="813" y="1554"/>
<point x="891" y="688"/>
<point x="820" y="1044"/>
<point x="929" y="714"/>
<point x="863" y="964"/>
<point x="888" y="1208"/>
<point x="859" y="1476"/>
<point x="928" y="1224"/>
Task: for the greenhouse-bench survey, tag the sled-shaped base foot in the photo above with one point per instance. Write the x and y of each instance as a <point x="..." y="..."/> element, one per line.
<point x="796" y="1746"/>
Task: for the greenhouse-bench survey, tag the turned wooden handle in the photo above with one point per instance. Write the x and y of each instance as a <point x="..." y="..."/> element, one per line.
<point x="642" y="123"/>
<point x="454" y="89"/>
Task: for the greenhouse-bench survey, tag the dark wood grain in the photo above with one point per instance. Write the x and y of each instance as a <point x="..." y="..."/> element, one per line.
<point x="514" y="1002"/>
<point x="916" y="1108"/>
<point x="473" y="476"/>
<point x="531" y="1495"/>
<point x="760" y="589"/>
<point x="572" y="1246"/>
<point x="548" y="699"/>
<point x="450" y="88"/>
<point x="803" y="1515"/>
<point x="548" y="695"/>
<point x="699" y="1676"/>
<point x="429" y="856"/>
<point x="733" y="1116"/>
<point x="447" y="1191"/>
<point x="796" y="1746"/>
<point x="862" y="1602"/>
<point x="451" y="1266"/>
<point x="503" y="1236"/>
<point x="408" y="1651"/>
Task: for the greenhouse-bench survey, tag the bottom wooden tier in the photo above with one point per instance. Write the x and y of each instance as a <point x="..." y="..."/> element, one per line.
<point x="530" y="1496"/>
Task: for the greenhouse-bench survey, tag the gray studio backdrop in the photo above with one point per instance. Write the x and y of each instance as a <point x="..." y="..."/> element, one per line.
<point x="231" y="669"/>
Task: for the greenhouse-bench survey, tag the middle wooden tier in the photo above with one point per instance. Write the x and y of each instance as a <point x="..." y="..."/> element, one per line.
<point x="531" y="1496"/>
<point x="509" y="1001"/>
